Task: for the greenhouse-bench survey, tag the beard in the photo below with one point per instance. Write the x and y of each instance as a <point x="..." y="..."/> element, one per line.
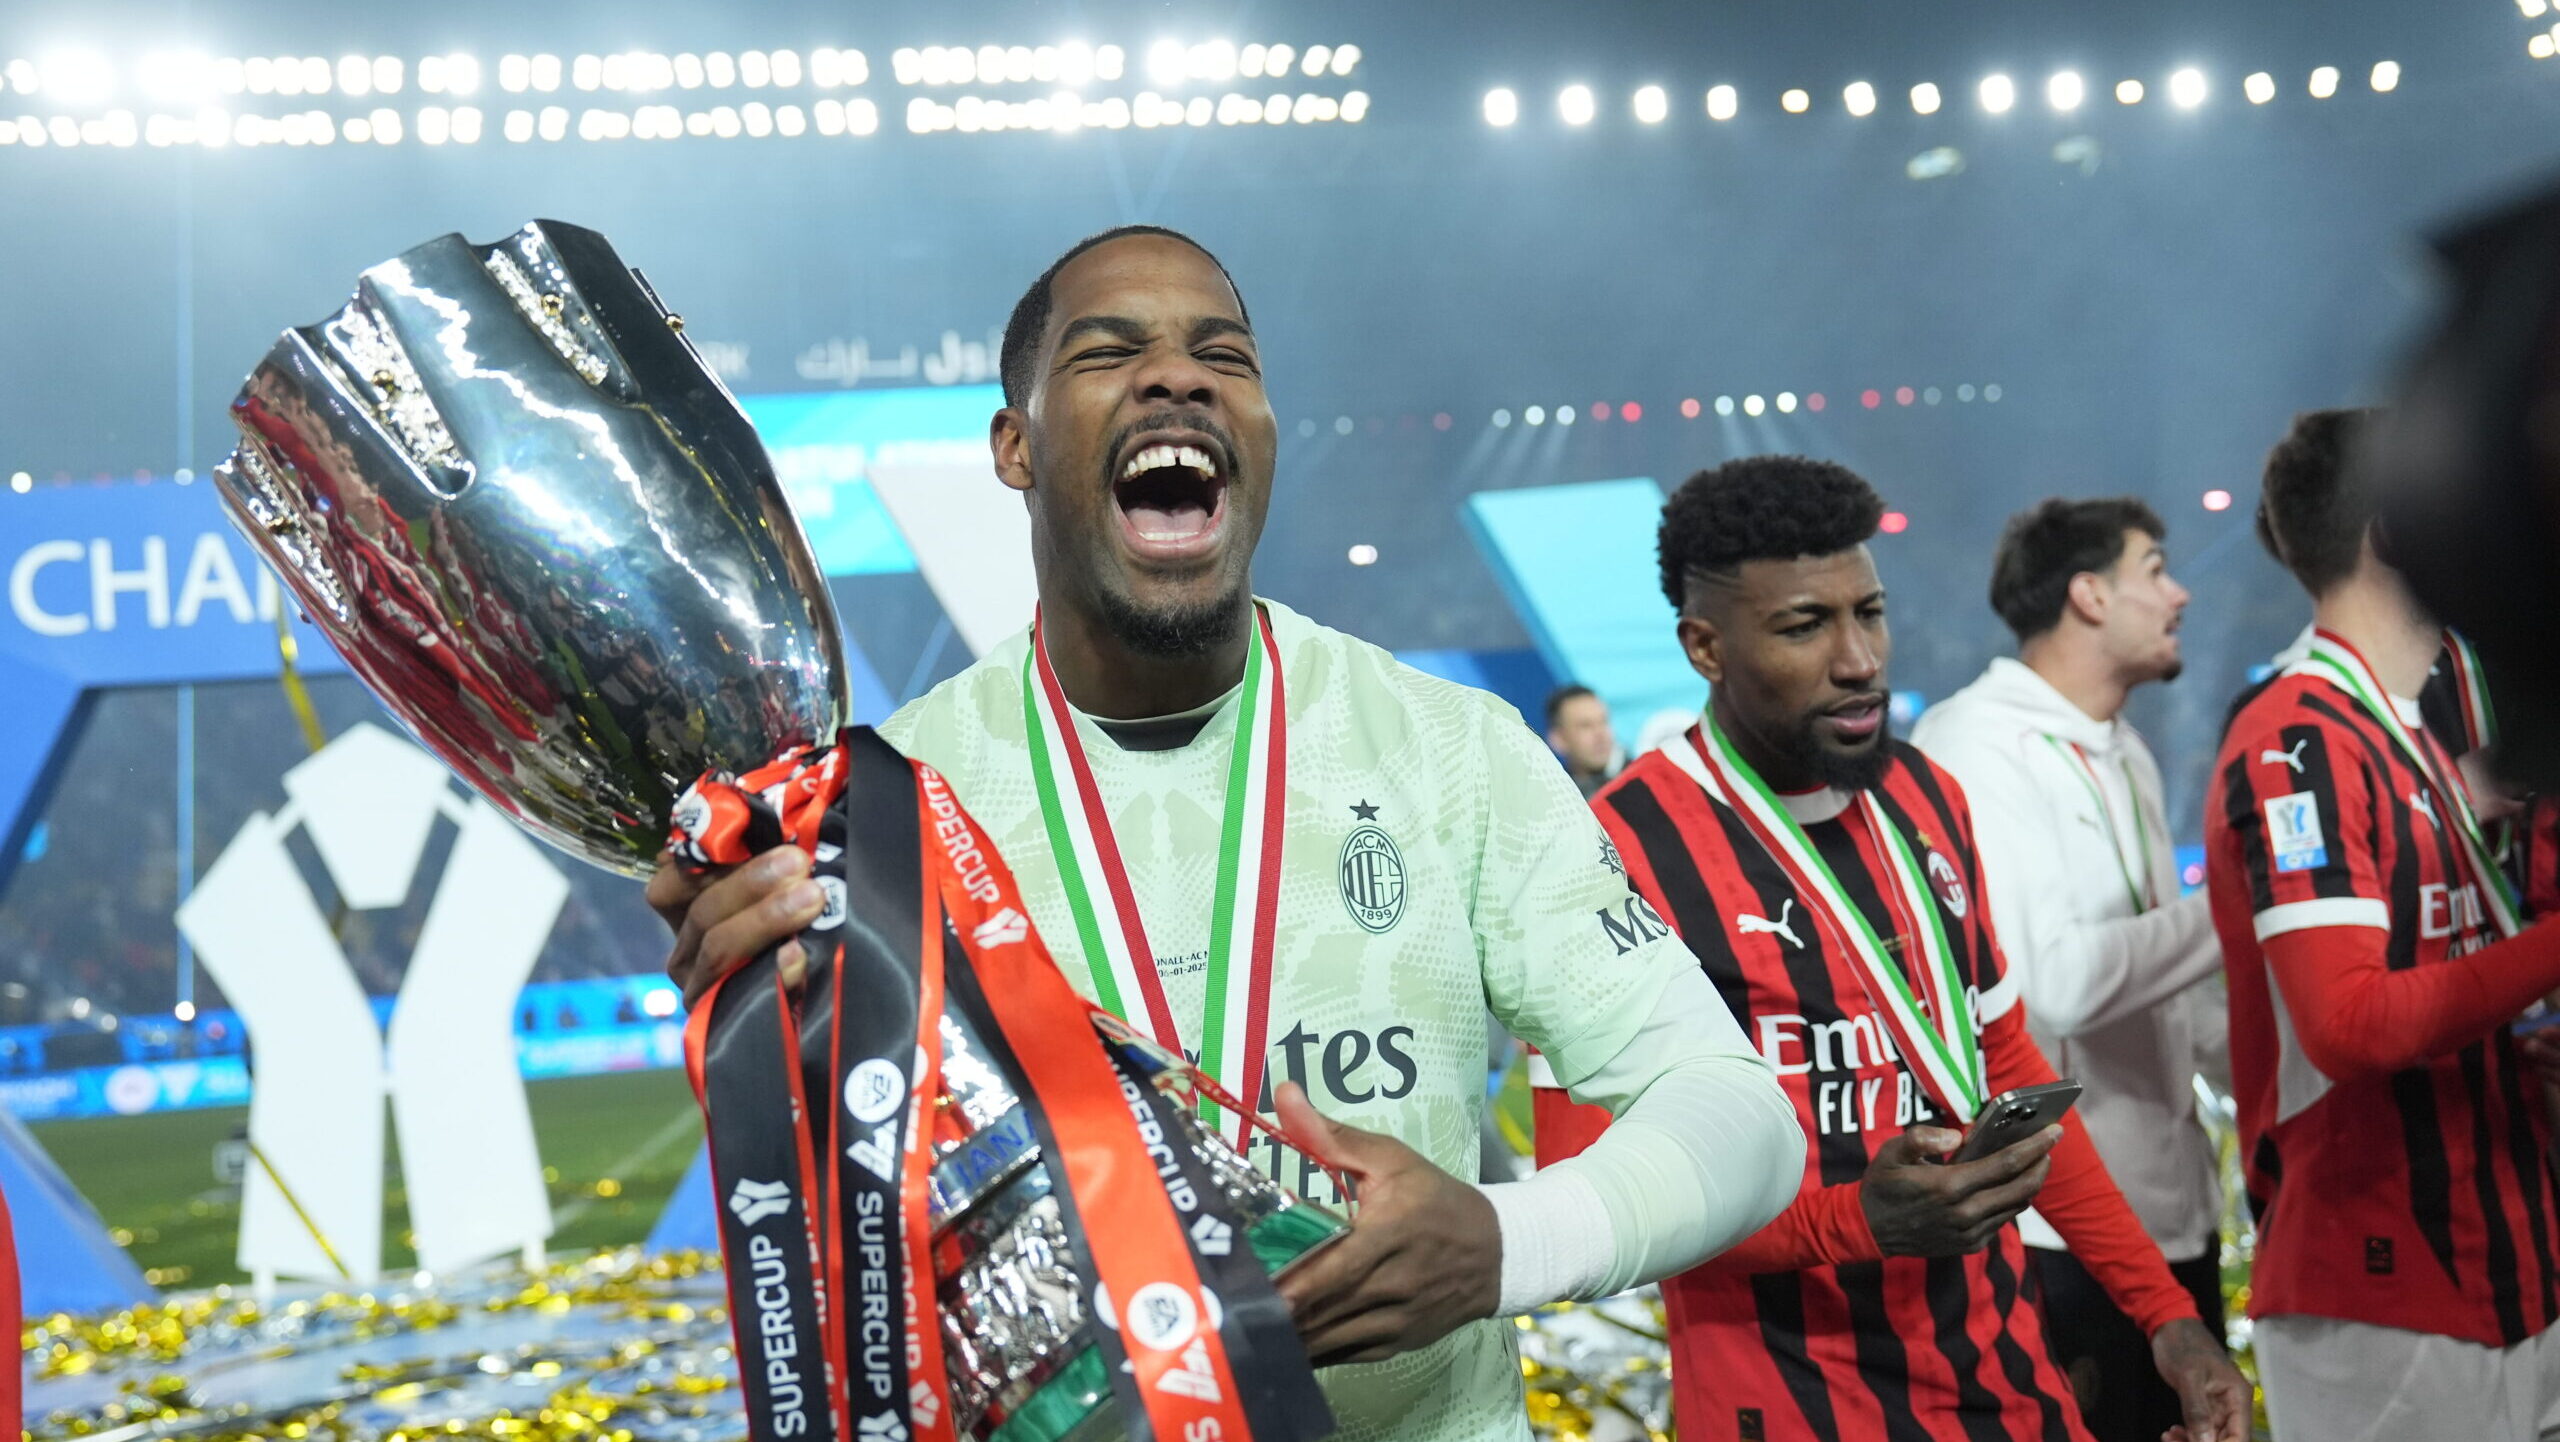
<point x="1176" y="631"/>
<point x="1851" y="771"/>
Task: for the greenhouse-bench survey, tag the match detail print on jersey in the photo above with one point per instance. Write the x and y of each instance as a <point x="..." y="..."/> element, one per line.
<point x="1244" y="906"/>
<point x="1943" y="1053"/>
<point x="2332" y="660"/>
<point x="2077" y="761"/>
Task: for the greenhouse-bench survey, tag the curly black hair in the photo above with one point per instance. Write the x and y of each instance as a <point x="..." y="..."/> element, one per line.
<point x="1761" y="508"/>
<point x="2309" y="517"/>
<point x="2044" y="546"/>
<point x="1021" y="350"/>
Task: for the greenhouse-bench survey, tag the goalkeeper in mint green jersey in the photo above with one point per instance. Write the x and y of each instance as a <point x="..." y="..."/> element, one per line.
<point x="1309" y="867"/>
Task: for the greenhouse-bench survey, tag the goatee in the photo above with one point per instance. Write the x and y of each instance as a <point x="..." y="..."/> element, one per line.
<point x="1851" y="770"/>
<point x="1173" y="632"/>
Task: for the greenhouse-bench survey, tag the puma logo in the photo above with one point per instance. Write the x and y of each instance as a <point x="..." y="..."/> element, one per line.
<point x="1748" y="925"/>
<point x="2292" y="758"/>
<point x="2426" y="806"/>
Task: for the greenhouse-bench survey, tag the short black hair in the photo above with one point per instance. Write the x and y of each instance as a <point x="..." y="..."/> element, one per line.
<point x="2309" y="515"/>
<point x="1562" y="696"/>
<point x="1761" y="508"/>
<point x="2045" y="546"/>
<point x="1031" y="313"/>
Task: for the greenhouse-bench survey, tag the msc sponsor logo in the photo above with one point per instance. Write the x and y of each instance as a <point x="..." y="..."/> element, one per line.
<point x="1632" y="924"/>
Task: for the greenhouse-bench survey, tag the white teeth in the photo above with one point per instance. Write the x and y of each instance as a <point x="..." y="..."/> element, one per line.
<point x="1155" y="458"/>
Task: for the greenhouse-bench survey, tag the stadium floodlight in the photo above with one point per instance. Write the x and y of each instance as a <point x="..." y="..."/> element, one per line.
<point x="78" y="77"/>
<point x="1575" y="104"/>
<point x="1999" y="93"/>
<point x="1753" y="405"/>
<point x="1501" y="106"/>
<point x="2324" y="82"/>
<point x="2129" y="92"/>
<point x="2541" y="46"/>
<point x="2260" y="88"/>
<point x="1795" y="102"/>
<point x="2065" y="90"/>
<point x="2186" y="88"/>
<point x="1860" y="97"/>
<point x="1652" y="105"/>
<point x="2533" y="9"/>
<point x="1345" y="57"/>
<point x="1168" y="63"/>
<point x="2386" y="76"/>
<point x="1722" y="102"/>
<point x="1724" y="405"/>
<point x="1925" y="99"/>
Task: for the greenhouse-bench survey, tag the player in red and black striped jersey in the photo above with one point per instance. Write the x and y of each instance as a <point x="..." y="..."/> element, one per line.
<point x="2398" y="1159"/>
<point x="1826" y="877"/>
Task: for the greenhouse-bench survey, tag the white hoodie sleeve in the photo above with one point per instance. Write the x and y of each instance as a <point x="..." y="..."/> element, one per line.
<point x="2078" y="975"/>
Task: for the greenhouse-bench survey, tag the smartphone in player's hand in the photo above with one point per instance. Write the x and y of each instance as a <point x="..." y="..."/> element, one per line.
<point x="2013" y="1116"/>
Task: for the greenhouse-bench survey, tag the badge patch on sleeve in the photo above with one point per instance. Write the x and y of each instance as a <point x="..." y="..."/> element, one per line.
<point x="2293" y="831"/>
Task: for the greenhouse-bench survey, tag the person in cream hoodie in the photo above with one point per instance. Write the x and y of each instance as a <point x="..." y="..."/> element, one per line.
<point x="2121" y="974"/>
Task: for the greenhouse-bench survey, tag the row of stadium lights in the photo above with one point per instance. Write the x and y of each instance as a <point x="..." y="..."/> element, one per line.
<point x="87" y="78"/>
<point x="1691" y="408"/>
<point x="213" y="126"/>
<point x="2065" y="91"/>
<point x="1895" y="522"/>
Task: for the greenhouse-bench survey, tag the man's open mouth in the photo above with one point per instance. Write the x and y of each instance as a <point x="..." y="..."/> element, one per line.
<point x="1172" y="495"/>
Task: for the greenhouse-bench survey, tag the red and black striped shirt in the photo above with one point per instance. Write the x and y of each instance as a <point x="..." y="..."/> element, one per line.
<point x="2417" y="1197"/>
<point x="1807" y="1331"/>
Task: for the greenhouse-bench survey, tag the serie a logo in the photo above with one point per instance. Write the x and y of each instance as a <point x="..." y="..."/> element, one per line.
<point x="1372" y="875"/>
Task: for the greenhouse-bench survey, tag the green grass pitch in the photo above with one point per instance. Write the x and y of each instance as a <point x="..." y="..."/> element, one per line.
<point x="612" y="1146"/>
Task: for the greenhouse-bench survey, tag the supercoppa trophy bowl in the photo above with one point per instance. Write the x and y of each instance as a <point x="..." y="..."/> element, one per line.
<point x="535" y="523"/>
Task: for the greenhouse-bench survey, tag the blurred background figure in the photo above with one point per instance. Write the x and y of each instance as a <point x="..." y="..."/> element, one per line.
<point x="1578" y="731"/>
<point x="2121" y="973"/>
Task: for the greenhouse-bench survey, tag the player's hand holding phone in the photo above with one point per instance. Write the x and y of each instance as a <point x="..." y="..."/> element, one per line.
<point x="1919" y="1204"/>
<point x="1933" y="1193"/>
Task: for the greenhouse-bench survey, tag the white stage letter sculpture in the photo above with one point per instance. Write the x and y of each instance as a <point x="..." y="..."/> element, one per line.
<point x="368" y="803"/>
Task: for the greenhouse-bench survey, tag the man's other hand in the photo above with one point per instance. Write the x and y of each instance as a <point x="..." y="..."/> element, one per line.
<point x="1423" y="1256"/>
<point x="2212" y="1395"/>
<point x="725" y="918"/>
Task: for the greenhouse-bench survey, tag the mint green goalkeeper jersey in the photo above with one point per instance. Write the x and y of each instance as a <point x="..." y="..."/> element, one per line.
<point x="1498" y="890"/>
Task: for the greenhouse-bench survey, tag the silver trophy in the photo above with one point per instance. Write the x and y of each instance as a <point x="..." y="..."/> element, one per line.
<point x="520" y="504"/>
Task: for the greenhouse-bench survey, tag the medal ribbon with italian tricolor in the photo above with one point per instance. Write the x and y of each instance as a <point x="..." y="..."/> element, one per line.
<point x="2333" y="660"/>
<point x="1236" y="1020"/>
<point x="2143" y="895"/>
<point x="1943" y="1052"/>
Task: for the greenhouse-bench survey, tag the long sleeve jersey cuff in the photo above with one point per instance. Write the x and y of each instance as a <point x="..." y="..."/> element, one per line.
<point x="1826" y="1227"/>
<point x="1704" y="1150"/>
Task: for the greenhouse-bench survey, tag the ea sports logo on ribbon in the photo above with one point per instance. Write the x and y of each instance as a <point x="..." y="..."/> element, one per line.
<point x="371" y="807"/>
